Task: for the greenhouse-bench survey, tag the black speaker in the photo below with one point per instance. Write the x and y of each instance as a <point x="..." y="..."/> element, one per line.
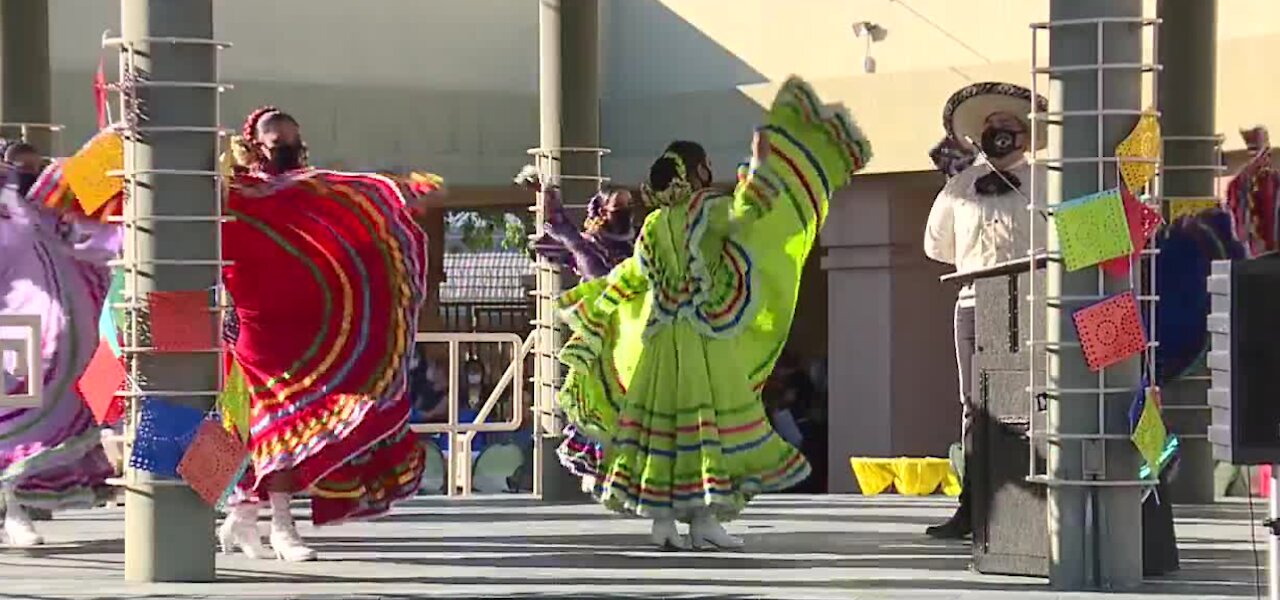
<point x="1010" y="518"/>
<point x="1010" y="533"/>
<point x="1010" y="515"/>
<point x="1244" y="359"/>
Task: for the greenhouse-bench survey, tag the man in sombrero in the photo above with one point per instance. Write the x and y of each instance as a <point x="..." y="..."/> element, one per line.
<point x="980" y="217"/>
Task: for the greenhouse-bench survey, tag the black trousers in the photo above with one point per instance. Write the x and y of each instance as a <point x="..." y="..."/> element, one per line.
<point x="966" y="344"/>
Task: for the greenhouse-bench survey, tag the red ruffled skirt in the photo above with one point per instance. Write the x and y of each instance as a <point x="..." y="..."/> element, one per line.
<point x="328" y="271"/>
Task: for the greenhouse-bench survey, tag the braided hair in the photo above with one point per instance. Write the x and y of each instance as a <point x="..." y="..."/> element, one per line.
<point x="248" y="151"/>
<point x="679" y="157"/>
<point x="669" y="177"/>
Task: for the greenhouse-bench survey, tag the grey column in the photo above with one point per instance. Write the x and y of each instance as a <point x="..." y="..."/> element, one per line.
<point x="569" y="98"/>
<point x="1095" y="532"/>
<point x="168" y="528"/>
<point x="24" y="70"/>
<point x="1187" y="95"/>
<point x="579" y="95"/>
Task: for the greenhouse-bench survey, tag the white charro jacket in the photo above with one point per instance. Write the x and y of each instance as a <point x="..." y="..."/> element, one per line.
<point x="972" y="231"/>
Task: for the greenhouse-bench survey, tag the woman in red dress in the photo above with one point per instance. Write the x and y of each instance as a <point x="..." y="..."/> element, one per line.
<point x="327" y="271"/>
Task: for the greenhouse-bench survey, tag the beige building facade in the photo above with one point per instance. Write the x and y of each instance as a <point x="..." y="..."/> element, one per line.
<point x="451" y="85"/>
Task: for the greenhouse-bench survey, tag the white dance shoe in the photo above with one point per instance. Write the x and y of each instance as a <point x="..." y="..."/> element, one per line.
<point x="706" y="533"/>
<point x="666" y="536"/>
<point x="285" y="541"/>
<point x="18" y="528"/>
<point x="239" y="531"/>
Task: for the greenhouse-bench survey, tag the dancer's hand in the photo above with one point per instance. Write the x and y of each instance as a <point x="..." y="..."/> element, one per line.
<point x="427" y="191"/>
<point x="557" y="224"/>
<point x="528" y="178"/>
<point x="551" y="205"/>
<point x="760" y="146"/>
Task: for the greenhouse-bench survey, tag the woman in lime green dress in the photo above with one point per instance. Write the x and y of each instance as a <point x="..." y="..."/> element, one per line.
<point x="668" y="353"/>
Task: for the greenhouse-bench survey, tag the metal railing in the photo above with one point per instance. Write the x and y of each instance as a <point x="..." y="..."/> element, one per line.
<point x="134" y="302"/>
<point x="1197" y="203"/>
<point x="24" y="134"/>
<point x="1090" y="443"/>
<point x="27" y="360"/>
<point x="546" y="322"/>
<point x="458" y="477"/>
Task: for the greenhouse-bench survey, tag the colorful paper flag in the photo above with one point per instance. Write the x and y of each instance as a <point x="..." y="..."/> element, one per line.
<point x="100" y="94"/>
<point x="163" y="434"/>
<point x="213" y="462"/>
<point x="1150" y="434"/>
<point x="1110" y="331"/>
<point x="86" y="171"/>
<point x="233" y="402"/>
<point x="1142" y="221"/>
<point x="1190" y="207"/>
<point x="181" y="321"/>
<point x="112" y="313"/>
<point x="1092" y="229"/>
<point x="1139" y="151"/>
<point x="99" y="383"/>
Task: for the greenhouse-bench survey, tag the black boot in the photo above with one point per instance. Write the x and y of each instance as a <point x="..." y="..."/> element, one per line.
<point x="960" y="525"/>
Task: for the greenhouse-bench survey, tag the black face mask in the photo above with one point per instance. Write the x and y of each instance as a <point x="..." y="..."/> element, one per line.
<point x="286" y="157"/>
<point x="25" y="180"/>
<point x="998" y="142"/>
<point x="619" y="221"/>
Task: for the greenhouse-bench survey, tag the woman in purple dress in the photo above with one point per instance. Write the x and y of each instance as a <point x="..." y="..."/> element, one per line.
<point x="55" y="267"/>
<point x="607" y="238"/>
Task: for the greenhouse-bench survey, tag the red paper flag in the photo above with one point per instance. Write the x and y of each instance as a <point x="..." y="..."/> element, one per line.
<point x="100" y="94"/>
<point x="181" y="321"/>
<point x="212" y="462"/>
<point x="98" y="385"/>
<point x="1110" y="331"/>
<point x="1143" y="221"/>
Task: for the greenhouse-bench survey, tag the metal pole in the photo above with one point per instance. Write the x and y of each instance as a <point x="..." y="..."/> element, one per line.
<point x="569" y="97"/>
<point x="580" y="96"/>
<point x="1191" y="168"/>
<point x="25" y="95"/>
<point x="1094" y="528"/>
<point x="171" y="171"/>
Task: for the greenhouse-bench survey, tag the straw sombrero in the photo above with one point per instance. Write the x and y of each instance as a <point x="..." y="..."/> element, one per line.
<point x="968" y="109"/>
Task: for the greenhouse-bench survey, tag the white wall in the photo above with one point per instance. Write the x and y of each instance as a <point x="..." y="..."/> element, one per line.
<point x="700" y="69"/>
<point x="444" y="85"/>
<point x="451" y="85"/>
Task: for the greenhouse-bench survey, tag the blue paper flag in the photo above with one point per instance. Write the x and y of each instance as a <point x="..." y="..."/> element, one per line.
<point x="163" y="433"/>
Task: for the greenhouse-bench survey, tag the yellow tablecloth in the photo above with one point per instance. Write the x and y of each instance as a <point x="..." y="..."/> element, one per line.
<point x="909" y="476"/>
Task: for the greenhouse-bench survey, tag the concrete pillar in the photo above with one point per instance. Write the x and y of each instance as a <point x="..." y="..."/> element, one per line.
<point x="1187" y="98"/>
<point x="25" y="95"/>
<point x="579" y="95"/>
<point x="168" y="528"/>
<point x="889" y="321"/>
<point x="1095" y="532"/>
<point x="569" y="101"/>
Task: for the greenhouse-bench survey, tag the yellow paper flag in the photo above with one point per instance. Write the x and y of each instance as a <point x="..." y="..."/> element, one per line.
<point x="86" y="172"/>
<point x="1141" y="148"/>
<point x="1149" y="435"/>
<point x="234" y="402"/>
<point x="1190" y="207"/>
